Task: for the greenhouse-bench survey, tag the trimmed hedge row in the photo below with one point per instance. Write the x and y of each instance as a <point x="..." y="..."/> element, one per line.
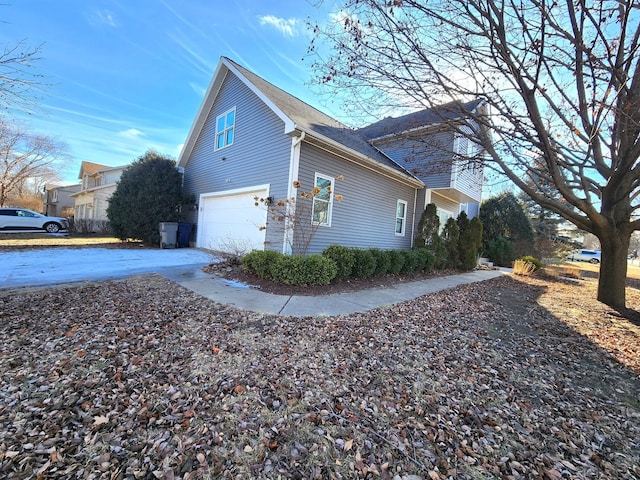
<point x="336" y="262"/>
<point x="291" y="269"/>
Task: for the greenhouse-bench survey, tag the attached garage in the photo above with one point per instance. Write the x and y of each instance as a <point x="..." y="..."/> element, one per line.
<point x="229" y="221"/>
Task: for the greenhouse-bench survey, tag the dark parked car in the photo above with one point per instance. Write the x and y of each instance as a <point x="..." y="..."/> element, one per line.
<point x="21" y="219"/>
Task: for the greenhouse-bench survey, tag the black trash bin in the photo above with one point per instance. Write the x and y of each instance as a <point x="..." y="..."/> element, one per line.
<point x="184" y="234"/>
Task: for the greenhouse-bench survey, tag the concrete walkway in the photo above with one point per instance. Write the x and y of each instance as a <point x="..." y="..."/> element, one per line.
<point x="242" y="296"/>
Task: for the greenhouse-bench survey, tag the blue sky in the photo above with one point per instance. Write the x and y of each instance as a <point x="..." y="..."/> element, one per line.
<point x="126" y="76"/>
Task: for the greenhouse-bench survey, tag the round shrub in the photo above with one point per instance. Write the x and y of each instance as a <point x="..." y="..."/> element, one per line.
<point x="286" y="269"/>
<point x="396" y="261"/>
<point x="259" y="262"/>
<point x="364" y="265"/>
<point x="532" y="260"/>
<point x="412" y="262"/>
<point x="383" y="262"/>
<point x="343" y="257"/>
<point x="428" y="259"/>
<point x="301" y="270"/>
<point x="319" y="270"/>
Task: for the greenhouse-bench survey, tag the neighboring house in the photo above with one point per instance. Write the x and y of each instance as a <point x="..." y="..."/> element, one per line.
<point x="251" y="140"/>
<point x="58" y="201"/>
<point x="98" y="184"/>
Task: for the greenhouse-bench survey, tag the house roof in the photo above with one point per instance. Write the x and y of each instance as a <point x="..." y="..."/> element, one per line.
<point x="297" y="116"/>
<point x="90" y="168"/>
<point x="420" y="119"/>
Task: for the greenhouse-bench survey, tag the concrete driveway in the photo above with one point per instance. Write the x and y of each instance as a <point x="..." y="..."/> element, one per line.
<point x="38" y="267"/>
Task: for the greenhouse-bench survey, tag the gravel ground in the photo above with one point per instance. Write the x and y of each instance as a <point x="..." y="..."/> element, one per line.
<point x="510" y="378"/>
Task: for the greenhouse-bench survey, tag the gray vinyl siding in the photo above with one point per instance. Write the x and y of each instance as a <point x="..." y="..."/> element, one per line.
<point x="468" y="182"/>
<point x="429" y="160"/>
<point x="367" y="214"/>
<point x="260" y="153"/>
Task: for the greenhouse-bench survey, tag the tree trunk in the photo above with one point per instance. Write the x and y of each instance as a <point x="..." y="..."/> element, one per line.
<point x="613" y="268"/>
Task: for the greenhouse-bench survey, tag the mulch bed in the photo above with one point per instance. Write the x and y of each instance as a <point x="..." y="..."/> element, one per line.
<point x="232" y="270"/>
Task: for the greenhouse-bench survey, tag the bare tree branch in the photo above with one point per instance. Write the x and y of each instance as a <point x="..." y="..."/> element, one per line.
<point x="24" y="157"/>
<point x="561" y="81"/>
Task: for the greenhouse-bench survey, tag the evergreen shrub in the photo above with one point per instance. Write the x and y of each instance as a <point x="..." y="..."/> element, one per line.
<point x="303" y="270"/>
<point x="364" y="265"/>
<point x="259" y="262"/>
<point x="412" y="261"/>
<point x="383" y="261"/>
<point x="148" y="192"/>
<point x="343" y="257"/>
<point x="501" y="251"/>
<point x="427" y="259"/>
<point x="396" y="261"/>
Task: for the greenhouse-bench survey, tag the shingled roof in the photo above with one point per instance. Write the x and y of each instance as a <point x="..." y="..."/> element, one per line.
<point x="321" y="127"/>
<point x="312" y="120"/>
<point x="420" y="119"/>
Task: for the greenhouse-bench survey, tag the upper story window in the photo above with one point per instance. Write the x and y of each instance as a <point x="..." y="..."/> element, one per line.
<point x="401" y="217"/>
<point x="225" y="125"/>
<point x="322" y="200"/>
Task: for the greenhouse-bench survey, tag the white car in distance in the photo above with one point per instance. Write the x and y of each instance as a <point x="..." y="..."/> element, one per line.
<point x="583" y="255"/>
<point x="14" y="219"/>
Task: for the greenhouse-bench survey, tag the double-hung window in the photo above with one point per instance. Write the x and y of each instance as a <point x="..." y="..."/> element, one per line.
<point x="322" y="200"/>
<point x="401" y="217"/>
<point x="225" y="125"/>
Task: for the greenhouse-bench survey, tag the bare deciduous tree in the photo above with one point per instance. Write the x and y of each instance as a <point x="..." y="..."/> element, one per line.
<point x="17" y="75"/>
<point x="24" y="158"/>
<point x="561" y="80"/>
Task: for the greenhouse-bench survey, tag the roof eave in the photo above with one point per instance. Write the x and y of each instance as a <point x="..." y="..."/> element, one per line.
<point x="224" y="66"/>
<point x="356" y="157"/>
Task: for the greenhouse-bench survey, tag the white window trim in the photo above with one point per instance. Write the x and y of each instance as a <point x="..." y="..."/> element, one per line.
<point x="225" y="129"/>
<point x="404" y="219"/>
<point x="330" y="202"/>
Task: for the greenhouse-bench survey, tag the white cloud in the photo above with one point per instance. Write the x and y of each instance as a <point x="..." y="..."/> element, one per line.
<point x="288" y="27"/>
<point x="131" y="133"/>
<point x="106" y="17"/>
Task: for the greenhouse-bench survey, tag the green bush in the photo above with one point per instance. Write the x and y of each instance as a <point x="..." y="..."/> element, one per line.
<point x="501" y="251"/>
<point x="470" y="241"/>
<point x="532" y="260"/>
<point x="383" y="262"/>
<point x="412" y="261"/>
<point x="300" y="270"/>
<point x="450" y="238"/>
<point x="396" y="261"/>
<point x="259" y="262"/>
<point x="364" y="265"/>
<point x="319" y="270"/>
<point x="343" y="257"/>
<point x="428" y="260"/>
<point x="148" y="192"/>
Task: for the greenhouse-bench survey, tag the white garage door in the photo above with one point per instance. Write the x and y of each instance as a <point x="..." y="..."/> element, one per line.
<point x="230" y="221"/>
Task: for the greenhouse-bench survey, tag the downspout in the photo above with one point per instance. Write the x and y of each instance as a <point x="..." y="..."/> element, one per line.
<point x="413" y="222"/>
<point x="292" y="192"/>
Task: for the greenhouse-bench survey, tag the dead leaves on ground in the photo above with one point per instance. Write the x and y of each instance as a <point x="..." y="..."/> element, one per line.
<point x="142" y="379"/>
